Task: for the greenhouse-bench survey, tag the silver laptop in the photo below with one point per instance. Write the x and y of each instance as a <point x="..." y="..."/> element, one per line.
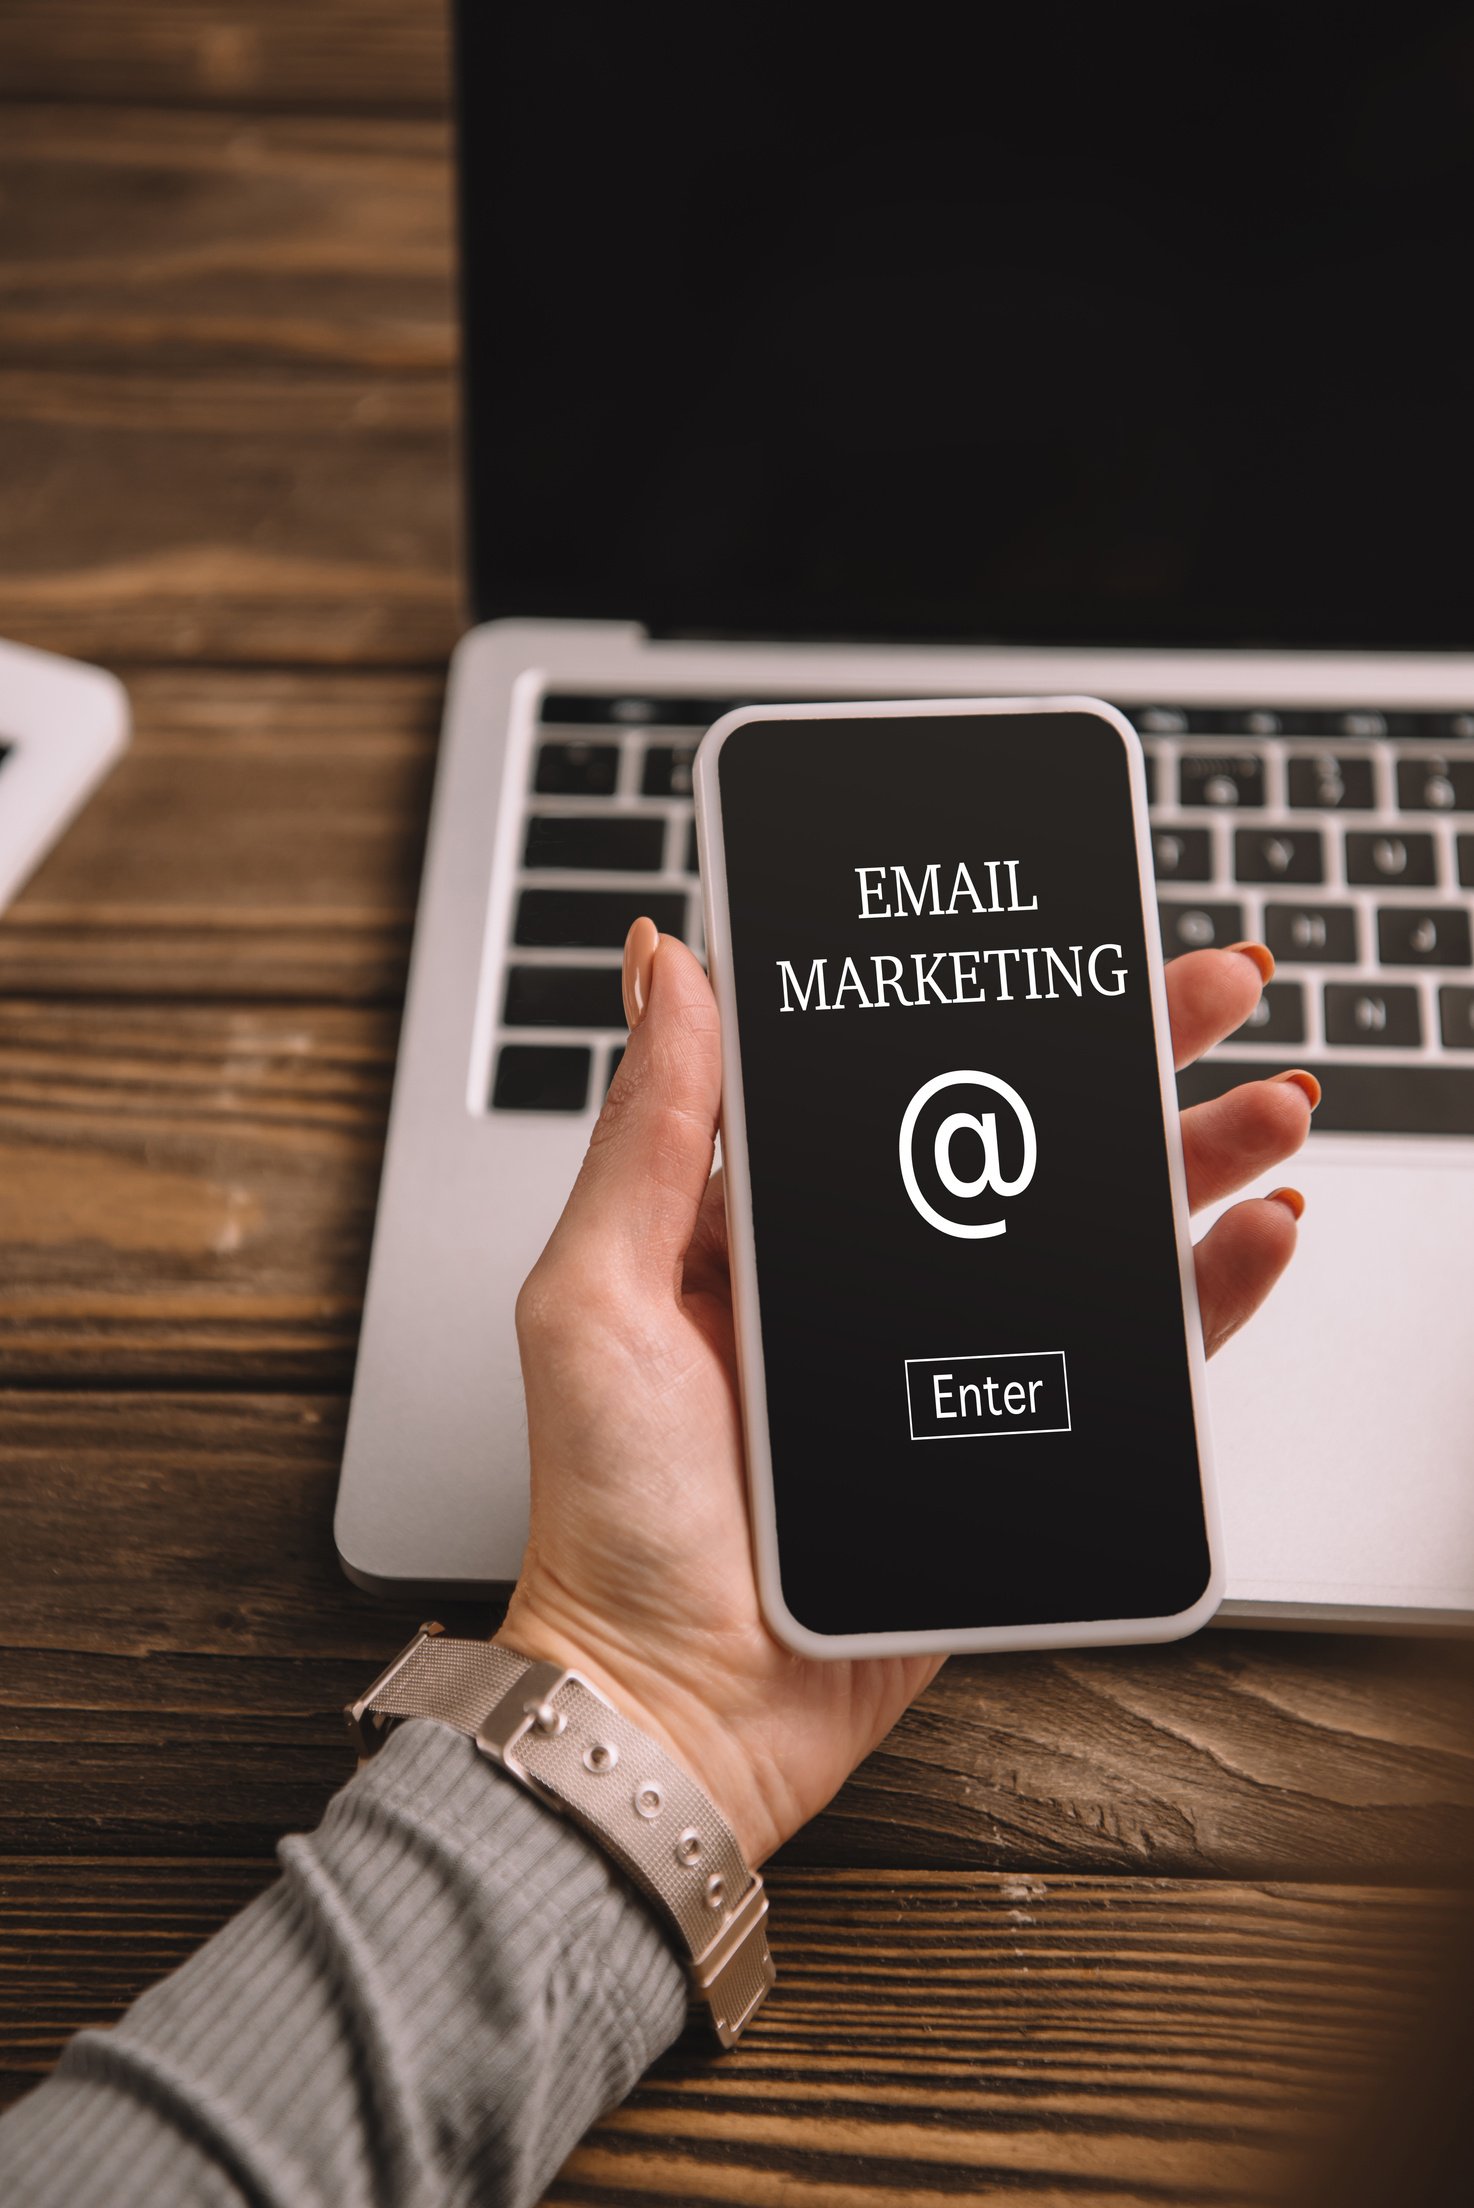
<point x="782" y="388"/>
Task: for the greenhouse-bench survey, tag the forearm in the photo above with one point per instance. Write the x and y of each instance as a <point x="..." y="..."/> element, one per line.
<point x="444" y="1989"/>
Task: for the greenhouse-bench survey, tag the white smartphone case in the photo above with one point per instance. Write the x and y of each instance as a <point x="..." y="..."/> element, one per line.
<point x="746" y="1286"/>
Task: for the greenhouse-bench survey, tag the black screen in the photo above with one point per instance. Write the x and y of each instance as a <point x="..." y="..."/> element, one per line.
<point x="979" y="323"/>
<point x="903" y="1502"/>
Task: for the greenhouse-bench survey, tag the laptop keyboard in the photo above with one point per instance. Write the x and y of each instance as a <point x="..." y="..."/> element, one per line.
<point x="1342" y="839"/>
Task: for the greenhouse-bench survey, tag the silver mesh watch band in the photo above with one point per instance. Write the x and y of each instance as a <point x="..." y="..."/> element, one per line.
<point x="560" y="1739"/>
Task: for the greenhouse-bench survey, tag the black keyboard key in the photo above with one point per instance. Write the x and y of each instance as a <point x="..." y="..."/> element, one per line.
<point x="693" y="862"/>
<point x="577" y="770"/>
<point x="583" y="709"/>
<point x="1373" y="1013"/>
<point x="614" y="842"/>
<point x="1238" y="720"/>
<point x="1361" y="724"/>
<point x="1182" y="854"/>
<point x="1423" y="935"/>
<point x="1364" y="1099"/>
<point x="1311" y="935"/>
<point x="615" y="1056"/>
<point x="1360" y="720"/>
<point x="1278" y="855"/>
<point x="1221" y="779"/>
<point x="1278" y="1017"/>
<point x="1456" y="1016"/>
<point x="1466" y="860"/>
<point x="564" y="996"/>
<point x="1299" y="720"/>
<point x="1435" y="785"/>
<point x="1323" y="781"/>
<point x="1200" y="927"/>
<point x="1417" y="728"/>
<point x="668" y="770"/>
<point x="541" y="1077"/>
<point x="594" y="919"/>
<point x="1377" y="856"/>
<point x="1365" y="724"/>
<point x="1153" y="763"/>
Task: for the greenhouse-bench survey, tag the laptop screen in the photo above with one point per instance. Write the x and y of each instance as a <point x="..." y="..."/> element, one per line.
<point x="814" y="324"/>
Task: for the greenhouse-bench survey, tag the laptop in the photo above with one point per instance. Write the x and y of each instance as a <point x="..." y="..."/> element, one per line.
<point x="797" y="370"/>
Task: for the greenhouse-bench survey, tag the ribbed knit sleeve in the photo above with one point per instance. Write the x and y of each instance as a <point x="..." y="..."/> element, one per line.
<point x="439" y="1995"/>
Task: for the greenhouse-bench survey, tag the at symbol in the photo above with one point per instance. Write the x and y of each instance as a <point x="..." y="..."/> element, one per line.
<point x="982" y="1124"/>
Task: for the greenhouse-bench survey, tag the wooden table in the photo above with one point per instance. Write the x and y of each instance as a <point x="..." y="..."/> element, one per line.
<point x="1100" y="1927"/>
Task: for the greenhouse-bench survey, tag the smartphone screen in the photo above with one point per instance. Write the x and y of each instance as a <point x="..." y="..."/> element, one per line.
<point x="977" y="1376"/>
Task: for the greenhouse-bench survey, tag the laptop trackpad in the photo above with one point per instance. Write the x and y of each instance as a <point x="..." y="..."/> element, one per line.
<point x="1343" y="1415"/>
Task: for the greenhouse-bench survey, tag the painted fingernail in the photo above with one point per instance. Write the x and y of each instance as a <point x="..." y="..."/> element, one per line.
<point x="1302" y="1080"/>
<point x="1260" y="953"/>
<point x="1292" y="1200"/>
<point x="639" y="956"/>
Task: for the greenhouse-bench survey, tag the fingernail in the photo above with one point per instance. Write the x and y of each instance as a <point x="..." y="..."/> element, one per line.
<point x="1292" y="1200"/>
<point x="639" y="956"/>
<point x="1302" y="1080"/>
<point x="1260" y="953"/>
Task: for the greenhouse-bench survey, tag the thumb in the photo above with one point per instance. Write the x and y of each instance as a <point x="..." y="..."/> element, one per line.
<point x="650" y="1155"/>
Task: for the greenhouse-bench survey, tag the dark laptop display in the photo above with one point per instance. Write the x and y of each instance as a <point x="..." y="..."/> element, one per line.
<point x="778" y="327"/>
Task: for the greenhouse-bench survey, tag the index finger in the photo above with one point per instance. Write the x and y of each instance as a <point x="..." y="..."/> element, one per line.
<point x="1210" y="993"/>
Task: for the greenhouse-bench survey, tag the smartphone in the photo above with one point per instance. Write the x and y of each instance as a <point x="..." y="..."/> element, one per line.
<point x="969" y="1348"/>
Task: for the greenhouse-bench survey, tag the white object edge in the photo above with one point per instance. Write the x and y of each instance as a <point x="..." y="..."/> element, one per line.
<point x="62" y="725"/>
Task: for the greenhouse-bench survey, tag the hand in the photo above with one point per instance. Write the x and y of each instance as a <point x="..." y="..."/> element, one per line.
<point x="639" y="1567"/>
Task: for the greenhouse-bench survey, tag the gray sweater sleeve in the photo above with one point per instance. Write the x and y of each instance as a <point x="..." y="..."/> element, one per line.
<point x="442" y="1991"/>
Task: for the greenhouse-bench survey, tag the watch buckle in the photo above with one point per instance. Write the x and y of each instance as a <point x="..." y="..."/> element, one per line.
<point x="519" y="1712"/>
<point x="733" y="1977"/>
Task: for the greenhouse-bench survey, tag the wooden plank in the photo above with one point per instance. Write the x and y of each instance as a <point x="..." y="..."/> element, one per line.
<point x="1027" y="2040"/>
<point x="275" y="53"/>
<point x="260" y="839"/>
<point x="1261" y="1755"/>
<point x="227" y="400"/>
<point x="180" y="1640"/>
<point x="932" y="2036"/>
<point x="136" y="239"/>
<point x="211" y="1538"/>
<point x="262" y="518"/>
<point x="180" y="1755"/>
<point x="187" y="1191"/>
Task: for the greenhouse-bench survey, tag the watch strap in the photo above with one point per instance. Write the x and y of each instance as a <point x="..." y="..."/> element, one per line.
<point x="556" y="1735"/>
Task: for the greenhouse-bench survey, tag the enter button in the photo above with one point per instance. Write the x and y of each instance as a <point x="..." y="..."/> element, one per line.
<point x="963" y="1398"/>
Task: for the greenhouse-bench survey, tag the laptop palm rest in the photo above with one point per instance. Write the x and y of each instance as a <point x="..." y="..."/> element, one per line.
<point x="1343" y="1415"/>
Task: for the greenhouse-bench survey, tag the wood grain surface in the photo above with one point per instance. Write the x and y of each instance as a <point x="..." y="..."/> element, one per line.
<point x="227" y="399"/>
<point x="182" y="1642"/>
<point x="188" y="1192"/>
<point x="260" y="839"/>
<point x="1042" y="1945"/>
<point x="255" y="518"/>
<point x="934" y="2035"/>
<point x="1029" y="2039"/>
<point x="233" y="241"/>
<point x="1026" y="2040"/>
<point x="338" y="54"/>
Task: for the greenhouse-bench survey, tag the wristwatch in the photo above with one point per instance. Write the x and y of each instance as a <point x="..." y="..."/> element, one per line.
<point x="558" y="1737"/>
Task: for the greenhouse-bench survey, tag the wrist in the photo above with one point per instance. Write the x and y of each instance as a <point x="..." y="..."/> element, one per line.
<point x="543" y="1722"/>
<point x="673" y="1710"/>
